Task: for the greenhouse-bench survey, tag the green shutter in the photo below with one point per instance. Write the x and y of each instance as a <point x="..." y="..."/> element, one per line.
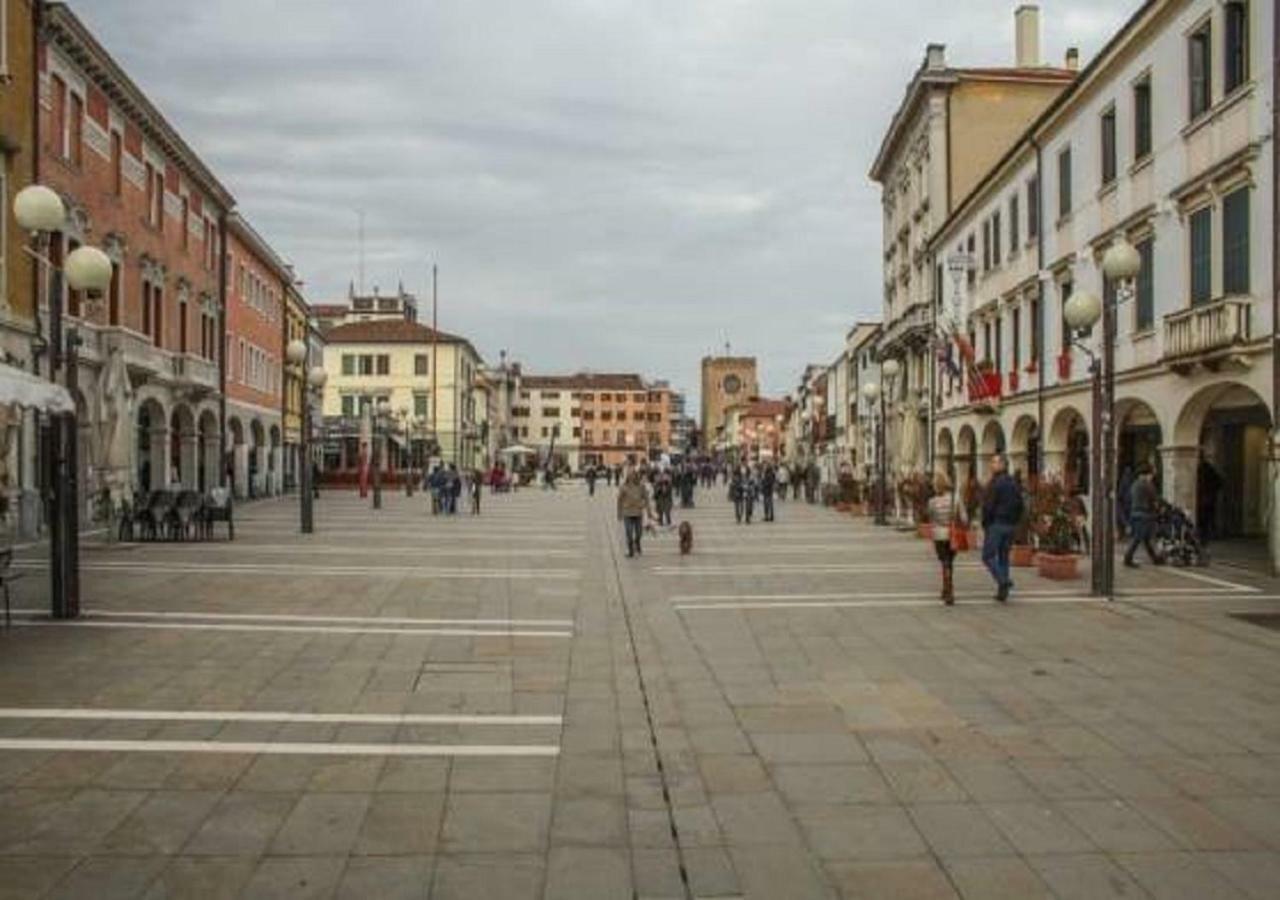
<point x="1201" y="256"/>
<point x="1235" y="242"/>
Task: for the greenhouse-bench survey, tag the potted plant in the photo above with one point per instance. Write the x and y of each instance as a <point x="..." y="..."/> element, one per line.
<point x="1055" y="528"/>
<point x="1023" y="551"/>
<point x="914" y="490"/>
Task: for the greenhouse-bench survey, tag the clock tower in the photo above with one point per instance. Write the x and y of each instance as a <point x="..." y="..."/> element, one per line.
<point x="726" y="380"/>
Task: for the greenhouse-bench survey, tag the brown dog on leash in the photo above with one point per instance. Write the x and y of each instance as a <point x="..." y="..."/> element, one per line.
<point x="686" y="538"/>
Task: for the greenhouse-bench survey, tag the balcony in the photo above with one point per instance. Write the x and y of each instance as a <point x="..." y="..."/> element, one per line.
<point x="194" y="373"/>
<point x="912" y="328"/>
<point x="985" y="389"/>
<point x="144" y="359"/>
<point x="1206" y="334"/>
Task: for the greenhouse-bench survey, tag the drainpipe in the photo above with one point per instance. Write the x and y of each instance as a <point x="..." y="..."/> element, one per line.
<point x="1275" y="287"/>
<point x="222" y="349"/>
<point x="1038" y="324"/>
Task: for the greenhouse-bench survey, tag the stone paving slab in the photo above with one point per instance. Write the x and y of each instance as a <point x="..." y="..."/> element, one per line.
<point x="850" y="737"/>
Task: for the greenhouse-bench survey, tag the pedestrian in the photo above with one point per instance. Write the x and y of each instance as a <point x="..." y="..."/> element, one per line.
<point x="944" y="512"/>
<point x="1143" y="499"/>
<point x="1001" y="512"/>
<point x="591" y="481"/>
<point x="436" y="483"/>
<point x="455" y="488"/>
<point x="477" y="488"/>
<point x="738" y="494"/>
<point x="768" y="484"/>
<point x="813" y="479"/>
<point x="784" y="478"/>
<point x="1123" y="487"/>
<point x="797" y="481"/>
<point x="751" y="489"/>
<point x="633" y="505"/>
<point x="663" y="497"/>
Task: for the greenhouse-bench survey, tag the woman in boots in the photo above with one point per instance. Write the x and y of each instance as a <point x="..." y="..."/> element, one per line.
<point x="942" y="513"/>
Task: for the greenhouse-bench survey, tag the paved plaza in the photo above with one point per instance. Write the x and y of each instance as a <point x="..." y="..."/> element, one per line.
<point x="508" y="707"/>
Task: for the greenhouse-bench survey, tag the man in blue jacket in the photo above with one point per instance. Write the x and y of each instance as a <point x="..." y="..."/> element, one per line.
<point x="1001" y="510"/>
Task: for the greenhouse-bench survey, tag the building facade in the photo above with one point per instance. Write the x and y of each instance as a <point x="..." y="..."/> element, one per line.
<point x="952" y="126"/>
<point x="758" y="430"/>
<point x="726" y="380"/>
<point x="1166" y="140"/>
<point x="258" y="284"/>
<point x="18" y="470"/>
<point x="428" y="380"/>
<point x="149" y="360"/>
<point x="297" y="326"/>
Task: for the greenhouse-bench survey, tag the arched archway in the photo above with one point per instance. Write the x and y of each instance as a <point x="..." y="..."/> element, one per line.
<point x="1067" y="449"/>
<point x="945" y="453"/>
<point x="152" y="455"/>
<point x="1139" y="436"/>
<point x="183" y="452"/>
<point x="1220" y="458"/>
<point x="208" y="457"/>
<point x="237" y="459"/>
<point x="257" y="450"/>
<point x="1024" y="446"/>
<point x="274" y="460"/>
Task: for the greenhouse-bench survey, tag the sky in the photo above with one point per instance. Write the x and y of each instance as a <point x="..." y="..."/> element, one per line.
<point x="614" y="185"/>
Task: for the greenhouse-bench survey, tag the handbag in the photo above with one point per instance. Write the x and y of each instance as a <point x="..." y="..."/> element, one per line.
<point x="959" y="537"/>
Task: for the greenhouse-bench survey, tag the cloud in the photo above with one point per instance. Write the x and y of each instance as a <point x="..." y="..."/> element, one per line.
<point x="614" y="184"/>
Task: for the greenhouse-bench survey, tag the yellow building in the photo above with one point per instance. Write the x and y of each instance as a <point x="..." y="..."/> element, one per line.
<point x="429" y="381"/>
<point x="296" y="327"/>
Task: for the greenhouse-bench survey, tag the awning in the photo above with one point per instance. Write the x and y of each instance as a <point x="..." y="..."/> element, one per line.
<point x="27" y="390"/>
<point x="517" y="450"/>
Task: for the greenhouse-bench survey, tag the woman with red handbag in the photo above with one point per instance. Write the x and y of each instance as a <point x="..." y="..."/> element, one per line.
<point x="945" y="516"/>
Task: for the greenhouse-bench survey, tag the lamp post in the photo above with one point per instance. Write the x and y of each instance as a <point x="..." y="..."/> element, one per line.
<point x="40" y="211"/>
<point x="1120" y="265"/>
<point x="406" y="422"/>
<point x="310" y="380"/>
<point x="381" y="410"/>
<point x="871" y="390"/>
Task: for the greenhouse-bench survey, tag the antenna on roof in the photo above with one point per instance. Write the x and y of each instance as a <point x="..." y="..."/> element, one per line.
<point x="360" y="239"/>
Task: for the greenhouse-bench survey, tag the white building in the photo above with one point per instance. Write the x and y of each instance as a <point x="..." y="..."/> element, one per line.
<point x="1167" y="140"/>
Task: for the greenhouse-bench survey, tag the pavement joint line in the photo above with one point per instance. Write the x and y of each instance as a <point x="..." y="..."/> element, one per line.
<point x="327" y="549"/>
<point x="293" y="629"/>
<point x="275" y="617"/>
<point x="921" y="601"/>
<point x="278" y="749"/>
<point x="1209" y="579"/>
<point x="288" y="569"/>
<point x="915" y="595"/>
<point x="169" y="715"/>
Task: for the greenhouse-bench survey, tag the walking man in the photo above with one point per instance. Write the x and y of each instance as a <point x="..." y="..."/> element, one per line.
<point x="768" y="484"/>
<point x="633" y="504"/>
<point x="1142" y="515"/>
<point x="1001" y="510"/>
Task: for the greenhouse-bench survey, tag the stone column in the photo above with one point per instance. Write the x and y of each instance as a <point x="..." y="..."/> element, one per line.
<point x="1273" y="526"/>
<point x="1178" y="472"/>
<point x="240" y="469"/>
<point x="159" y="457"/>
<point x="189" y="456"/>
<point x="212" y="460"/>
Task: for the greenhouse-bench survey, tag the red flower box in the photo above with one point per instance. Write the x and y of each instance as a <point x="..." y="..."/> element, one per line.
<point x="985" y="386"/>
<point x="1064" y="366"/>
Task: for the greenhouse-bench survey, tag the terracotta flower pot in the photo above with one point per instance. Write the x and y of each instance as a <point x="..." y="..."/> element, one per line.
<point x="1022" y="555"/>
<point x="1058" y="566"/>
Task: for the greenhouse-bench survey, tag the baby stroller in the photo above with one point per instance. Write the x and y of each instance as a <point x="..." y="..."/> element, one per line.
<point x="1175" y="537"/>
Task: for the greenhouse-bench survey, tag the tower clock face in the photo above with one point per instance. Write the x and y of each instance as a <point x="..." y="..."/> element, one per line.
<point x="732" y="384"/>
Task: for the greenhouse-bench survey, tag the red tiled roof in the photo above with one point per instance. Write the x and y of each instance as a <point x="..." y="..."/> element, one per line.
<point x="585" y="381"/>
<point x="387" y="331"/>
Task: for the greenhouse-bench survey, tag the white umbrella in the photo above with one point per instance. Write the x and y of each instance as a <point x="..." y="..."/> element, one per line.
<point x="517" y="450"/>
<point x="909" y="441"/>
<point x="27" y="390"/>
<point x="115" y="428"/>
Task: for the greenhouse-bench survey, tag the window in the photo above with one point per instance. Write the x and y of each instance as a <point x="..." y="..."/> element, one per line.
<point x="1142" y="120"/>
<point x="972" y="273"/>
<point x="1014" y="237"/>
<point x="622" y="415"/>
<point x="1235" y="46"/>
<point x="182" y="326"/>
<point x="348" y="364"/>
<point x="1201" y="256"/>
<point x="113" y="295"/>
<point x="384" y="364"/>
<point x="1065" y="291"/>
<point x="1144" y="309"/>
<point x="59" y="91"/>
<point x="986" y="246"/>
<point x="1034" y="343"/>
<point x="348" y="407"/>
<point x="117" y="164"/>
<point x="1064" y="183"/>
<point x="420" y="363"/>
<point x="588" y="437"/>
<point x="366" y="364"/>
<point x="986" y="341"/>
<point x="1199" y="78"/>
<point x="420" y="409"/>
<point x="1033" y="207"/>
<point x="622" y="436"/>
<point x="75" y="131"/>
<point x="158" y="197"/>
<point x="1016" y="362"/>
<point x="550" y="412"/>
<point x="186" y="223"/>
<point x="1108" y="147"/>
<point x="151" y="189"/>
<point x="995" y="240"/>
<point x="1235" y="242"/>
<point x="998" y="358"/>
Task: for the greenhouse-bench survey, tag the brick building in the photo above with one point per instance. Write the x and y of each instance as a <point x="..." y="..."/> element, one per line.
<point x="257" y="283"/>
<point x="133" y="187"/>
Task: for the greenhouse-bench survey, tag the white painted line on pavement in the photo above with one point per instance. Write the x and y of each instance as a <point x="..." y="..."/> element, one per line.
<point x="844" y="595"/>
<point x="272" y="617"/>
<point x="863" y="598"/>
<point x="281" y="749"/>
<point x="294" y="629"/>
<point x="888" y="604"/>
<point x="171" y="715"/>
<point x="1207" y="579"/>
<point x="178" y="568"/>
<point x="308" y="549"/>
<point x="802" y="568"/>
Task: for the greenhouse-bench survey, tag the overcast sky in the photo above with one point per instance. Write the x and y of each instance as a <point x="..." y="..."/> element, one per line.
<point x="612" y="184"/>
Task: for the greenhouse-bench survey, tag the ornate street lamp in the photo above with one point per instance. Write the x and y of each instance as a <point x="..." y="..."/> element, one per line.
<point x="1120" y="265"/>
<point x="871" y="390"/>
<point x="310" y="380"/>
<point x="381" y="414"/>
<point x="40" y="211"/>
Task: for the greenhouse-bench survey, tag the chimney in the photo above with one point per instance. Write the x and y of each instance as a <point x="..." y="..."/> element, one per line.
<point x="1073" y="59"/>
<point x="935" y="57"/>
<point x="1026" y="25"/>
